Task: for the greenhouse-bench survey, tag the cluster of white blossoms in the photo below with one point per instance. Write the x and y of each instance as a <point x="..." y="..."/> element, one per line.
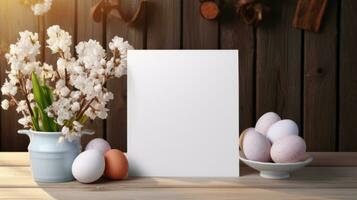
<point x="78" y="83"/>
<point x="41" y="8"/>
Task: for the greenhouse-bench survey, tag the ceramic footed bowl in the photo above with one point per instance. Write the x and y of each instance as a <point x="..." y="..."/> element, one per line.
<point x="272" y="170"/>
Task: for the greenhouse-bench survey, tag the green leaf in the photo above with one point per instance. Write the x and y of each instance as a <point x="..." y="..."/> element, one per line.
<point x="37" y="92"/>
<point x="44" y="98"/>
<point x="35" y="119"/>
<point x="48" y="94"/>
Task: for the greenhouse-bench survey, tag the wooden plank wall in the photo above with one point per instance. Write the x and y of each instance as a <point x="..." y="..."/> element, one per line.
<point x="308" y="77"/>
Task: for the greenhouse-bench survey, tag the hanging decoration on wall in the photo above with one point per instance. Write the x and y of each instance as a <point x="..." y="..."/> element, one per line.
<point x="251" y="11"/>
<point x="100" y="11"/>
<point x="308" y="14"/>
<point x="209" y="9"/>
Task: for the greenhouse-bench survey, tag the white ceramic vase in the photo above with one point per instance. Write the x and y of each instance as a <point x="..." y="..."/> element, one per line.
<point x="51" y="160"/>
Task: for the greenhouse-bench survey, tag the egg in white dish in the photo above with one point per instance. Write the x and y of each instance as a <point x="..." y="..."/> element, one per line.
<point x="265" y="121"/>
<point x="281" y="129"/>
<point x="288" y="149"/>
<point x="256" y="146"/>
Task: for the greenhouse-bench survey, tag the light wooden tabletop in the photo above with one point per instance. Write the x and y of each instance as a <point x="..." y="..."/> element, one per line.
<point x="338" y="182"/>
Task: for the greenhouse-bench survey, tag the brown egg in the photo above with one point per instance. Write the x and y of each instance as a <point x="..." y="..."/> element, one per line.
<point x="116" y="164"/>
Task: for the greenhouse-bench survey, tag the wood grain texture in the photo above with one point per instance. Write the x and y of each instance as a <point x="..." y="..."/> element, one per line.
<point x="320" y="66"/>
<point x="278" y="73"/>
<point x="88" y="29"/>
<point x="237" y="35"/>
<point x="321" y="159"/>
<point x="197" y="32"/>
<point x="347" y="77"/>
<point x="163" y="24"/>
<point x="16" y="182"/>
<point x="116" y="123"/>
<point x="62" y="13"/>
<point x="11" y="23"/>
<point x="178" y="193"/>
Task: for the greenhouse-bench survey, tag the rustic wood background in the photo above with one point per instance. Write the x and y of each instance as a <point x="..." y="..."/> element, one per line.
<point x="308" y="77"/>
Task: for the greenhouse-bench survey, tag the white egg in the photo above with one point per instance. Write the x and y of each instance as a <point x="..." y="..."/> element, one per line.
<point x="98" y="144"/>
<point x="88" y="166"/>
<point x="256" y="146"/>
<point x="281" y="129"/>
<point x="288" y="149"/>
<point x="265" y="121"/>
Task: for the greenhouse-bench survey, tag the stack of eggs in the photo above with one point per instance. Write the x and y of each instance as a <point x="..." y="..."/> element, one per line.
<point x="273" y="139"/>
<point x="99" y="159"/>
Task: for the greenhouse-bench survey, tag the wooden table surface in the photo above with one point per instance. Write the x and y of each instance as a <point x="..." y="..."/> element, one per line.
<point x="316" y="182"/>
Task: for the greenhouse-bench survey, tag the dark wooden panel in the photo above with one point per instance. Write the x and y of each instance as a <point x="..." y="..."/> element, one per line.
<point x="14" y="17"/>
<point x="116" y="123"/>
<point x="237" y="35"/>
<point x="62" y="13"/>
<point x="278" y="74"/>
<point x="88" y="29"/>
<point x="164" y="24"/>
<point x="197" y="32"/>
<point x="348" y="77"/>
<point x="320" y="84"/>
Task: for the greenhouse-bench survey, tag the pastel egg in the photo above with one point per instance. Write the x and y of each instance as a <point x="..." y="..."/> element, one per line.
<point x="288" y="149"/>
<point x="256" y="146"/>
<point x="281" y="129"/>
<point x="241" y="136"/>
<point x="98" y="144"/>
<point x="88" y="166"/>
<point x="116" y="164"/>
<point x="265" y="121"/>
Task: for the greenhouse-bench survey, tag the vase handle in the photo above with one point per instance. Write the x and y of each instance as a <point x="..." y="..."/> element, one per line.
<point x="23" y="132"/>
<point x="87" y="132"/>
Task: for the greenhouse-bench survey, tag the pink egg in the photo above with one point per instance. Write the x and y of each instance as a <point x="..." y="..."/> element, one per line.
<point x="256" y="146"/>
<point x="99" y="144"/>
<point x="265" y="121"/>
<point x="288" y="149"/>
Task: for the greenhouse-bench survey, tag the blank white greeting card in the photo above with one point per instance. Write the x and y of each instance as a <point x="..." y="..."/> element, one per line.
<point x="183" y="113"/>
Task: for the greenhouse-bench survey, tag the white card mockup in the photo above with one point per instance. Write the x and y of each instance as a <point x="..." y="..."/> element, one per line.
<point x="183" y="113"/>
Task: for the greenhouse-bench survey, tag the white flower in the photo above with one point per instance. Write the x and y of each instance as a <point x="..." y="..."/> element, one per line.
<point x="120" y="44"/>
<point x="28" y="85"/>
<point x="90" y="54"/>
<point x="80" y="81"/>
<point x="89" y="113"/>
<point x="48" y="72"/>
<point x="108" y="96"/>
<point x="75" y="107"/>
<point x="30" y="97"/>
<point x="24" y="51"/>
<point x="5" y="104"/>
<point x="75" y="95"/>
<point x="25" y="121"/>
<point x="98" y="88"/>
<point x="59" y="41"/>
<point x="8" y="89"/>
<point x="64" y="91"/>
<point x="30" y="67"/>
<point x="41" y="8"/>
<point x="22" y="106"/>
<point x="65" y="130"/>
<point x="77" y="126"/>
